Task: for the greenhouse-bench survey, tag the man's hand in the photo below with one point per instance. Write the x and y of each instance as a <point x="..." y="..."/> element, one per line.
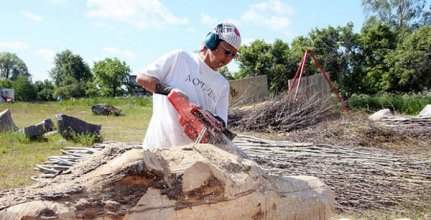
<point x="180" y="93"/>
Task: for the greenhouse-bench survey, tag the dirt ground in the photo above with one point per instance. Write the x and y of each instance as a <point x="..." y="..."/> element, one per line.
<point x="376" y="171"/>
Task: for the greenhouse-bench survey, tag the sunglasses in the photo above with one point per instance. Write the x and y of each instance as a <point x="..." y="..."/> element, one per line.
<point x="228" y="52"/>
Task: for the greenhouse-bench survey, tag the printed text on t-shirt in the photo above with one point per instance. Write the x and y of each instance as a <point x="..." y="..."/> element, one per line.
<point x="197" y="82"/>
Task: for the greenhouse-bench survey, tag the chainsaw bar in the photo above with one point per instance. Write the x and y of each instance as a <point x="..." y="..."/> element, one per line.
<point x="217" y="133"/>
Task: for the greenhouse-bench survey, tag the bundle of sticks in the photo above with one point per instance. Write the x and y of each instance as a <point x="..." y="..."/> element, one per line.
<point x="282" y="114"/>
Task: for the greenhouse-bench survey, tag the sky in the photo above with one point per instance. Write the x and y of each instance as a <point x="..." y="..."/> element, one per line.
<point x="140" y="31"/>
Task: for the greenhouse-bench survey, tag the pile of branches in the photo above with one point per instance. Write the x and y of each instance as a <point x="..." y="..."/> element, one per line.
<point x="283" y="114"/>
<point x="361" y="177"/>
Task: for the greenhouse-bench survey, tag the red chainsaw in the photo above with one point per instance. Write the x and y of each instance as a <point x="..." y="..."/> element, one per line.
<point x="201" y="126"/>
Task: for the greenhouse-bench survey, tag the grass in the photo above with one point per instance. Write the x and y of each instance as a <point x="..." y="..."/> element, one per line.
<point x="19" y="155"/>
<point x="408" y="104"/>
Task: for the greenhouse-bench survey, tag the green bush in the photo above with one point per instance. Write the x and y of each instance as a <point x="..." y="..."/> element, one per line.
<point x="86" y="139"/>
<point x="409" y="104"/>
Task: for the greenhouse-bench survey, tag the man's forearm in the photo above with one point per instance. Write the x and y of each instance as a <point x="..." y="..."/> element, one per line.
<point x="162" y="88"/>
<point x="152" y="84"/>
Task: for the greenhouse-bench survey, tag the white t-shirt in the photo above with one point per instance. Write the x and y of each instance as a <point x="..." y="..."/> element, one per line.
<point x="204" y="87"/>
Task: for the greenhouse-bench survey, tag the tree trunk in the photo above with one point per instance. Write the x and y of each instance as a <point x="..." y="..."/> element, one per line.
<point x="186" y="182"/>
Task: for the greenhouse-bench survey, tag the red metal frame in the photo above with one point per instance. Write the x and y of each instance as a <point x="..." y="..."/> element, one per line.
<point x="301" y="70"/>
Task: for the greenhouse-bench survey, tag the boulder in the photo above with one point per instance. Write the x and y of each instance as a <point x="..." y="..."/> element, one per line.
<point x="68" y="125"/>
<point x="6" y="122"/>
<point x="426" y="112"/>
<point x="380" y="115"/>
<point x="186" y="182"/>
<point x="105" y="109"/>
<point x="37" y="130"/>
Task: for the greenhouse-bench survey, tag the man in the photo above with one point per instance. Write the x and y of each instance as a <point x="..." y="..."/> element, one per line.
<point x="196" y="76"/>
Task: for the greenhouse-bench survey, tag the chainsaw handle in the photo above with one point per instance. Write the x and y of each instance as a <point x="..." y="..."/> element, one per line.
<point x="181" y="93"/>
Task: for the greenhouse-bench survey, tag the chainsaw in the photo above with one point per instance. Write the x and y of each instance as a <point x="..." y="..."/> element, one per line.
<point x="201" y="126"/>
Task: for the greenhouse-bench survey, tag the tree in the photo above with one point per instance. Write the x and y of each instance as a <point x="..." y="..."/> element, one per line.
<point x="299" y="46"/>
<point x="5" y="83"/>
<point x="377" y="41"/>
<point x="24" y="89"/>
<point x="283" y="67"/>
<point x="111" y="75"/>
<point x="352" y="60"/>
<point x="399" y="14"/>
<point x="336" y="49"/>
<point x="226" y="73"/>
<point x="326" y="43"/>
<point x="254" y="60"/>
<point x="273" y="60"/>
<point x="426" y="17"/>
<point x="11" y="66"/>
<point x="70" y="68"/>
<point x="410" y="64"/>
<point x="69" y="88"/>
<point x="44" y="90"/>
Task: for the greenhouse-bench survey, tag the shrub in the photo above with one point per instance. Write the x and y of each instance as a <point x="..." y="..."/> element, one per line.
<point x="86" y="139"/>
<point x="410" y="104"/>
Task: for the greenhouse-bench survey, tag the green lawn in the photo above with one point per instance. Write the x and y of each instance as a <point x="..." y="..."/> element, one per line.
<point x="19" y="155"/>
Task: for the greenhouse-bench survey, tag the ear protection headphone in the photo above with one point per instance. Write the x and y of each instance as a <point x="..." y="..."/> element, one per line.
<point x="212" y="39"/>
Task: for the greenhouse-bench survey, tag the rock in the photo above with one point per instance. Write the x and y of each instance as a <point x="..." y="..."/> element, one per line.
<point x="38" y="130"/>
<point x="6" y="122"/>
<point x="380" y="115"/>
<point x="68" y="125"/>
<point x="185" y="182"/>
<point x="105" y="109"/>
<point x="426" y="112"/>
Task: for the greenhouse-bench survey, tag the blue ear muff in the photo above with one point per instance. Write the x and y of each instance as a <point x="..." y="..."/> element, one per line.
<point x="211" y="41"/>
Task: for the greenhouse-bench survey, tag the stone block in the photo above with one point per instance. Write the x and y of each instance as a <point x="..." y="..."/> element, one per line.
<point x="68" y="125"/>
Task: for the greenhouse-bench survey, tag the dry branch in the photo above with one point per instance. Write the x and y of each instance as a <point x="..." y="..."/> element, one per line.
<point x="282" y="114"/>
<point x="362" y="178"/>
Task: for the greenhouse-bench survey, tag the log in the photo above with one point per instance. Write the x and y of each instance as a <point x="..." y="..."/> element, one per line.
<point x="185" y="182"/>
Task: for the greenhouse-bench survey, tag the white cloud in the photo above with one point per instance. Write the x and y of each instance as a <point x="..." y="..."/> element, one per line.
<point x="247" y="41"/>
<point x="46" y="54"/>
<point x="116" y="51"/>
<point x="138" y="13"/>
<point x="129" y="53"/>
<point x="31" y="16"/>
<point x="208" y="20"/>
<point x="273" y="14"/>
<point x="15" y="45"/>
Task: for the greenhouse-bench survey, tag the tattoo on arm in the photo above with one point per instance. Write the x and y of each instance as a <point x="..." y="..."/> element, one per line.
<point x="162" y="88"/>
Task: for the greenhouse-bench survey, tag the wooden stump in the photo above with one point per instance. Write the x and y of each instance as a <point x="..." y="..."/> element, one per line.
<point x="6" y="121"/>
<point x="185" y="182"/>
